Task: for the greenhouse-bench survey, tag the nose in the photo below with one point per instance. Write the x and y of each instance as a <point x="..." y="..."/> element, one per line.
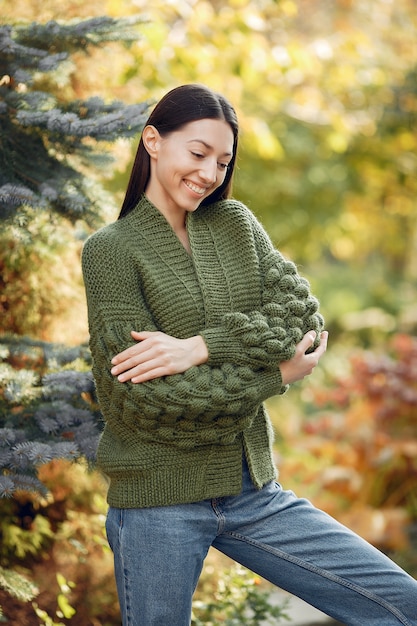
<point x="208" y="171"/>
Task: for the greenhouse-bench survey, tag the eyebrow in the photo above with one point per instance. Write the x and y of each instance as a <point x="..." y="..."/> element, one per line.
<point x="208" y="146"/>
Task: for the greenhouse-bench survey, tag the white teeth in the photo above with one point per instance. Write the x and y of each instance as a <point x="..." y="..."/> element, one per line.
<point x="199" y="190"/>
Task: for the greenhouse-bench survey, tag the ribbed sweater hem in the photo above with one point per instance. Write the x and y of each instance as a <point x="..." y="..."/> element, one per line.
<point x="167" y="486"/>
<point x="220" y="475"/>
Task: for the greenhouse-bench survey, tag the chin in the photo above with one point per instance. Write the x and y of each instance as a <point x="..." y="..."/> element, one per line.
<point x="191" y="209"/>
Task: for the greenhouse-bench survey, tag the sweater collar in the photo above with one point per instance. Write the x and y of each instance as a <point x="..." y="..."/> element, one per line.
<point x="154" y="226"/>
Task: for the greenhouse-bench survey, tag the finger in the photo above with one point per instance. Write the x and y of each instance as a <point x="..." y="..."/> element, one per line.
<point x="126" y="360"/>
<point x="143" y="334"/>
<point x="322" y="347"/>
<point x="130" y="361"/>
<point x="150" y="375"/>
<point x="307" y="341"/>
<point x="125" y="365"/>
<point x="140" y="370"/>
<point x="124" y="356"/>
<point x="131" y="352"/>
<point x="136" y="376"/>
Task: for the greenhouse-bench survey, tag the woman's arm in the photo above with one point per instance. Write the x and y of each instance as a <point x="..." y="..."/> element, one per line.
<point x="303" y="362"/>
<point x="208" y="403"/>
<point x="157" y="354"/>
<point x="261" y="339"/>
<point x="267" y="336"/>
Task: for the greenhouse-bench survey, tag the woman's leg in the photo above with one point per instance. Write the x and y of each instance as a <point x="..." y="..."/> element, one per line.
<point x="158" y="557"/>
<point x="304" y="551"/>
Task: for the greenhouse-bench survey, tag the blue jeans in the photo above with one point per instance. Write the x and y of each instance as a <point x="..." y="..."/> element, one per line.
<point x="159" y="554"/>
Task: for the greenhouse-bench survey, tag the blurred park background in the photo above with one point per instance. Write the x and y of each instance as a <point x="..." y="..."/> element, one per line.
<point x="326" y="94"/>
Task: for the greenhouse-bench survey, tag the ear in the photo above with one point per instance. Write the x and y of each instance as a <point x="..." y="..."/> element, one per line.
<point x="151" y="140"/>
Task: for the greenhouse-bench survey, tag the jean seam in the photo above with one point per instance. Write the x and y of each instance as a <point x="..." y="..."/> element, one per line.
<point x="324" y="573"/>
<point x="126" y="588"/>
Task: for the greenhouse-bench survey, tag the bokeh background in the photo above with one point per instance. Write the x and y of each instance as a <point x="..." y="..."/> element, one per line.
<point x="326" y="94"/>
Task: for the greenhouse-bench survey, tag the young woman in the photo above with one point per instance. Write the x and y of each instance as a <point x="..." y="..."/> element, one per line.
<point x="195" y="319"/>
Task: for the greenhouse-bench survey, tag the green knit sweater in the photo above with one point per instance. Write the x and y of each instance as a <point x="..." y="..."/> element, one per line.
<point x="180" y="438"/>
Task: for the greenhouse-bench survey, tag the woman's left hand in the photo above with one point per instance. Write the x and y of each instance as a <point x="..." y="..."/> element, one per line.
<point x="303" y="363"/>
<point x="157" y="354"/>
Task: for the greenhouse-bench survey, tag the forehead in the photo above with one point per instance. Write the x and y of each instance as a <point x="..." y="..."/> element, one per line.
<point x="216" y="134"/>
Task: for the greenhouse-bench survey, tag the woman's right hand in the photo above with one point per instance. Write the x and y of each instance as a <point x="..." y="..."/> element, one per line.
<point x="302" y="364"/>
<point x="157" y="354"/>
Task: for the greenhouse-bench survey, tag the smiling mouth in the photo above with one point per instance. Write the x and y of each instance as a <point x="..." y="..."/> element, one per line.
<point x="200" y="190"/>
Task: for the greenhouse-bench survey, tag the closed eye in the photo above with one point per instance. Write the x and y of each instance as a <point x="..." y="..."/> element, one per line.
<point x="200" y="156"/>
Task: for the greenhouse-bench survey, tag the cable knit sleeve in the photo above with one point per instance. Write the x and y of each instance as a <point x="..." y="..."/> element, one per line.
<point x="264" y="338"/>
<point x="206" y="404"/>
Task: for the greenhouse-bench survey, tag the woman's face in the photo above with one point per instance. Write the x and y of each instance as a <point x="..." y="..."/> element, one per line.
<point x="187" y="165"/>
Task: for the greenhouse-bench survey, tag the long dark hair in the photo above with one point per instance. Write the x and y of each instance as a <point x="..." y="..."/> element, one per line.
<point x="178" y="107"/>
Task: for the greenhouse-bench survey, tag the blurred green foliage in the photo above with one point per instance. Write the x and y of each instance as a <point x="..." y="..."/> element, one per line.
<point x="238" y="598"/>
<point x="326" y="94"/>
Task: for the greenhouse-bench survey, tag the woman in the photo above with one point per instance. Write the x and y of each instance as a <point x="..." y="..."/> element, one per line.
<point x="195" y="319"/>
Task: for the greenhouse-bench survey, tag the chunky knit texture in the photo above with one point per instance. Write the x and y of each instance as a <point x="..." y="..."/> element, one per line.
<point x="180" y="438"/>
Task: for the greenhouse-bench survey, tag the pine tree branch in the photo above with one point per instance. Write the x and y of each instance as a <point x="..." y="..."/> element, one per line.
<point x="44" y="415"/>
<point x="47" y="146"/>
<point x="75" y="35"/>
